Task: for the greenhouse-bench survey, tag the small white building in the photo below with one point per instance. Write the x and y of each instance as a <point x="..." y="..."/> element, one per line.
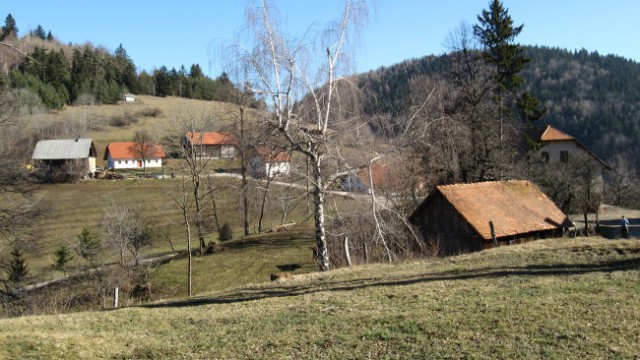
<point x="269" y="162"/>
<point x="129" y="98"/>
<point x="133" y="155"/>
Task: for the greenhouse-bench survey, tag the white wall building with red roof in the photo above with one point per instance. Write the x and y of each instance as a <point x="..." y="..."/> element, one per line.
<point x="269" y="162"/>
<point x="129" y="155"/>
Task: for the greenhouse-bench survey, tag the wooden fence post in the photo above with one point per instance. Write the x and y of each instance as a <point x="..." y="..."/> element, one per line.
<point x="493" y="233"/>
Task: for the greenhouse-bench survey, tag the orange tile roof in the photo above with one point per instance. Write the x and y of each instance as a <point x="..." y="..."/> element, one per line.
<point x="127" y="150"/>
<point x="514" y="206"/>
<point x="381" y="174"/>
<point x="271" y="155"/>
<point x="553" y="134"/>
<point x="211" y="138"/>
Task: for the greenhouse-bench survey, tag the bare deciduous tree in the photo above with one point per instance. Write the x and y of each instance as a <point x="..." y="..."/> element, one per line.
<point x="622" y="186"/>
<point x="144" y="147"/>
<point x="282" y="70"/>
<point x="127" y="231"/>
<point x="185" y="135"/>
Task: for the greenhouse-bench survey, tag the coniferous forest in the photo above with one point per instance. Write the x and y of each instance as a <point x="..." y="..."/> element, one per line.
<point x="65" y="74"/>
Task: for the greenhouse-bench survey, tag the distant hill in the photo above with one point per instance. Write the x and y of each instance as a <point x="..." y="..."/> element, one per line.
<point x="46" y="71"/>
<point x="590" y="96"/>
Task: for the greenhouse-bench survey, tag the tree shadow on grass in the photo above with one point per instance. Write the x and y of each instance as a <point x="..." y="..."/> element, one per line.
<point x="248" y="294"/>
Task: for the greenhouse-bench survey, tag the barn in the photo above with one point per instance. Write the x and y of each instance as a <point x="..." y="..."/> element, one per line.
<point x="472" y="217"/>
<point x="212" y="144"/>
<point x="76" y="157"/>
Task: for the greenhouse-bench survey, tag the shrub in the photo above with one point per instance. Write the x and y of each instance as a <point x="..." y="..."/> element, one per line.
<point x="121" y="121"/>
<point x="150" y="112"/>
<point x="226" y="232"/>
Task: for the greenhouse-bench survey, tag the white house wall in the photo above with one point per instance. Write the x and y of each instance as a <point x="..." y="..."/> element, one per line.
<point x="132" y="164"/>
<point x="277" y="168"/>
<point x="92" y="164"/>
<point x="258" y="168"/>
<point x="554" y="149"/>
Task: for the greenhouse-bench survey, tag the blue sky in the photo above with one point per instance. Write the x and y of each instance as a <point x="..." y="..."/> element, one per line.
<point x="173" y="33"/>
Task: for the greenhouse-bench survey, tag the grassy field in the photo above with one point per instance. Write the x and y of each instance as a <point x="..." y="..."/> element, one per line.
<point x="551" y="299"/>
<point x="72" y="207"/>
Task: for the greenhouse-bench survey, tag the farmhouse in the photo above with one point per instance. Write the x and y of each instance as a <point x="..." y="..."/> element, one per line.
<point x="133" y="155"/>
<point x="557" y="146"/>
<point x="269" y="162"/>
<point x="461" y="216"/>
<point x="212" y="144"/>
<point x="76" y="157"/>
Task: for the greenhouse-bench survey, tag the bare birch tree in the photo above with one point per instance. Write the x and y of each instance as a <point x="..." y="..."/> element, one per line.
<point x="283" y="70"/>
<point x="185" y="136"/>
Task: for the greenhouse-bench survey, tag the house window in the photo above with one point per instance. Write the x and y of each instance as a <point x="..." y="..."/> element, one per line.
<point x="545" y="156"/>
<point x="564" y="156"/>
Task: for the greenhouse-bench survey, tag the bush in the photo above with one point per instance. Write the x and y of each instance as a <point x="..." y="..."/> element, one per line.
<point x="365" y="245"/>
<point x="121" y="121"/>
<point x="150" y="112"/>
<point x="226" y="232"/>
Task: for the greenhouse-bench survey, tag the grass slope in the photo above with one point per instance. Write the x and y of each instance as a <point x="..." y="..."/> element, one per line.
<point x="552" y="299"/>
<point x="72" y="207"/>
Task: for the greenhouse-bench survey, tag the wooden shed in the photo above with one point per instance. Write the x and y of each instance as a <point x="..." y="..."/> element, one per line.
<point x="461" y="216"/>
<point x="76" y="156"/>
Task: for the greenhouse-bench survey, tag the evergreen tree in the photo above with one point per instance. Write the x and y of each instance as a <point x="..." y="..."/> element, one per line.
<point x="18" y="269"/>
<point x="226" y="232"/>
<point x="125" y="70"/>
<point x="497" y="33"/>
<point x="49" y="36"/>
<point x="40" y="33"/>
<point x="88" y="246"/>
<point x="9" y="30"/>
<point x="163" y="82"/>
<point x="195" y="71"/>
<point x="62" y="258"/>
<point x="146" y="83"/>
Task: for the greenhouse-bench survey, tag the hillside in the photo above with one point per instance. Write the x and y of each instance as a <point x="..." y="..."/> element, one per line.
<point x="556" y="298"/>
<point x="590" y="96"/>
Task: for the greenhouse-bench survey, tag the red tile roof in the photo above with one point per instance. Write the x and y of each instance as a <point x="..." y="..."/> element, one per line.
<point x="271" y="155"/>
<point x="211" y="138"/>
<point x="514" y="206"/>
<point x="382" y="175"/>
<point x="553" y="134"/>
<point x="130" y="150"/>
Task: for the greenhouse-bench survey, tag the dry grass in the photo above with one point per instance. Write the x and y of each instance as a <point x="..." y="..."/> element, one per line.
<point x="72" y="207"/>
<point x="552" y="299"/>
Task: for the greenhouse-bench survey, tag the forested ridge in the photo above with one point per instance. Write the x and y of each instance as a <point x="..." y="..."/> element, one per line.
<point x="64" y="74"/>
<point x="588" y="95"/>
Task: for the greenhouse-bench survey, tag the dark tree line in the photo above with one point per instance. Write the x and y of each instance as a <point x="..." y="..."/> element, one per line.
<point x="92" y="75"/>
